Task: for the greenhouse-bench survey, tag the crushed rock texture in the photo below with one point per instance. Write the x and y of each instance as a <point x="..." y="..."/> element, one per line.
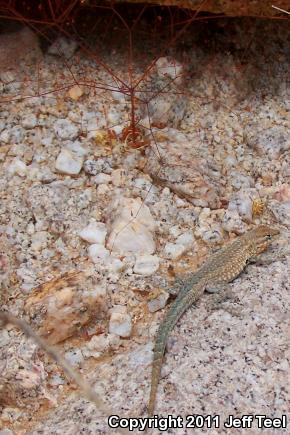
<point x="94" y="228"/>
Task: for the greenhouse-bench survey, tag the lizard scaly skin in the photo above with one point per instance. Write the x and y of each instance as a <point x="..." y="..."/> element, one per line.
<point x="221" y="268"/>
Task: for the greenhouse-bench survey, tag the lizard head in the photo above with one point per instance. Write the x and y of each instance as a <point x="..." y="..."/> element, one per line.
<point x="261" y="237"/>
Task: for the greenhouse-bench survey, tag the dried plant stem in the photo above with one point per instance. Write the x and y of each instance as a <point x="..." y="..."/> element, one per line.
<point x="281" y="10"/>
<point x="87" y="391"/>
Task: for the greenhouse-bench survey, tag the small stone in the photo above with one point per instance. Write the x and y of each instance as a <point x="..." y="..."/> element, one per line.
<point x="94" y="167"/>
<point x="185" y="239"/>
<point x="146" y="265"/>
<point x="29" y="121"/>
<point x="55" y="381"/>
<point x="5" y="136"/>
<point x="173" y="251"/>
<point x="120" y="324"/>
<point x="242" y="203"/>
<point x="95" y="232"/>
<point x="17" y="167"/>
<point x="132" y="227"/>
<point x="118" y="177"/>
<point x="98" y="343"/>
<point x="74" y="357"/>
<point x="232" y="222"/>
<point x="75" y="92"/>
<point x="39" y="240"/>
<point x="68" y="163"/>
<point x="77" y="148"/>
<point x="114" y="265"/>
<point x="212" y="235"/>
<point x="65" y="129"/>
<point x="63" y="47"/>
<point x="158" y="303"/>
<point x="102" y="179"/>
<point x="98" y="252"/>
<point x="102" y="189"/>
<point x="283" y="193"/>
<point x="4" y="336"/>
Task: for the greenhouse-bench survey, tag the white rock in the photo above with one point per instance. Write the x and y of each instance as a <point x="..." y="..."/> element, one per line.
<point x="242" y="203"/>
<point x="169" y="67"/>
<point x="212" y="235"/>
<point x="39" y="240"/>
<point x="118" y="309"/>
<point x="239" y="180"/>
<point x="6" y="431"/>
<point x="114" y="264"/>
<point x="120" y="324"/>
<point x="5" y="136"/>
<point x="29" y="121"/>
<point x="146" y="264"/>
<point x="65" y="129"/>
<point x="185" y="239"/>
<point x="102" y="189"/>
<point x="63" y="47"/>
<point x="158" y="303"/>
<point x="98" y="343"/>
<point x="95" y="232"/>
<point x="102" y="179"/>
<point x="74" y="357"/>
<point x="68" y="163"/>
<point x="118" y="177"/>
<point x="17" y="167"/>
<point x="98" y="252"/>
<point x="232" y="222"/>
<point x="173" y="251"/>
<point x="132" y="228"/>
<point x="77" y="148"/>
<point x="4" y="338"/>
<point x="119" y="96"/>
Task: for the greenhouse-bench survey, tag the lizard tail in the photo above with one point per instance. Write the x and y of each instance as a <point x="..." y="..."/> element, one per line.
<point x="181" y="303"/>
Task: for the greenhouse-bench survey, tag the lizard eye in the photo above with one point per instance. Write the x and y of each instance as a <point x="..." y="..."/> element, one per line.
<point x="268" y="237"/>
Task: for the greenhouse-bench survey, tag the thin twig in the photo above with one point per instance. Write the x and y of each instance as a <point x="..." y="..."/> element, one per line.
<point x="87" y="391"/>
<point x="281" y="10"/>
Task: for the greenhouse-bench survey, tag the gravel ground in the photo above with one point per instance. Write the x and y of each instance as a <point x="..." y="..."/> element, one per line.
<point x="93" y="227"/>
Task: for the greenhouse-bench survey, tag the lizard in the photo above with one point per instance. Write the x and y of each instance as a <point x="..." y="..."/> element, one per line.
<point x="221" y="268"/>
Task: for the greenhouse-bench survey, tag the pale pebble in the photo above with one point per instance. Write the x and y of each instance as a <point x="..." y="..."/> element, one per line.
<point x="132" y="227"/>
<point x="74" y="357"/>
<point x="5" y="136"/>
<point x="102" y="179"/>
<point x="63" y="47"/>
<point x="114" y="265"/>
<point x="68" y="163"/>
<point x="120" y="324"/>
<point x="185" y="239"/>
<point x="158" y="303"/>
<point x="102" y="189"/>
<point x="95" y="232"/>
<point x="65" y="129"/>
<point x="213" y="235"/>
<point x="29" y="121"/>
<point x="173" y="251"/>
<point x="17" y="167"/>
<point x="98" y="252"/>
<point x="77" y="148"/>
<point x="168" y="66"/>
<point x="118" y="177"/>
<point x="146" y="264"/>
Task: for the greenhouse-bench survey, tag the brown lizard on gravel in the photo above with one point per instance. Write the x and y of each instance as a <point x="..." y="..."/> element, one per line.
<point x="221" y="268"/>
